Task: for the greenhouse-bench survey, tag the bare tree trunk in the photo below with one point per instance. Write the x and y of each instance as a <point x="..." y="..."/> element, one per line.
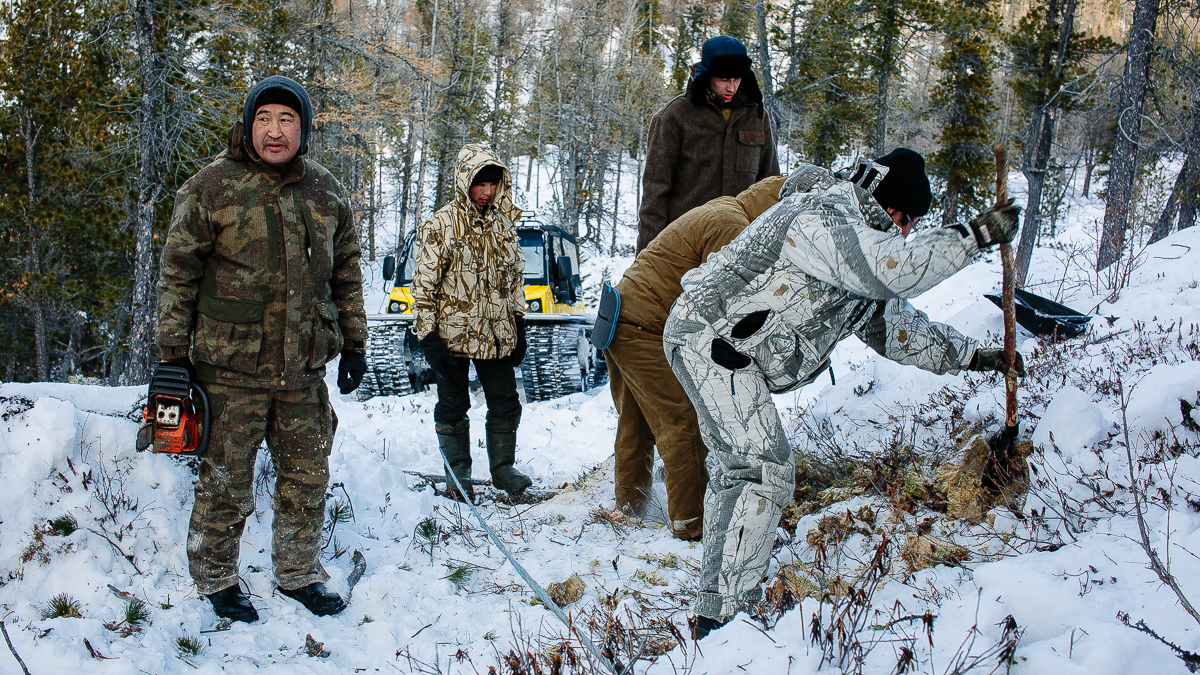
<point x="764" y="57"/>
<point x="34" y="305"/>
<point x="150" y="176"/>
<point x="1189" y="196"/>
<point x="887" y="60"/>
<point x="405" y="186"/>
<point x="369" y="171"/>
<point x="1123" y="169"/>
<point x="72" y="356"/>
<point x="315" y="84"/>
<point x="793" y="53"/>
<point x="1039" y="143"/>
<point x="612" y="247"/>
<point x="1167" y="217"/>
<point x="1089" y="162"/>
<point x="1040" y="138"/>
<point x="950" y="208"/>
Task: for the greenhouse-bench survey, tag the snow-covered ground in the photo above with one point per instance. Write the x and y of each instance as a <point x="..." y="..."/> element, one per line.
<point x="445" y="600"/>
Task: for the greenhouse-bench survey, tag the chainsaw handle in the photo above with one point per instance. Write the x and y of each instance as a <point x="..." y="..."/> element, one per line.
<point x="207" y="420"/>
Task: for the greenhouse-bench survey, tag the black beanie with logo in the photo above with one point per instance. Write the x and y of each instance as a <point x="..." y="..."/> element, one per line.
<point x="905" y="187"/>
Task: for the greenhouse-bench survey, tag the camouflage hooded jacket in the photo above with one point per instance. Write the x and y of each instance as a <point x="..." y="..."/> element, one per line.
<point x="469" y="281"/>
<point x="260" y="272"/>
<point x="823" y="263"/>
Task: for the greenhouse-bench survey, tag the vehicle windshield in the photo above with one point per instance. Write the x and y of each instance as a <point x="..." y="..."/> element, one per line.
<point x="405" y="274"/>
<point x="533" y="244"/>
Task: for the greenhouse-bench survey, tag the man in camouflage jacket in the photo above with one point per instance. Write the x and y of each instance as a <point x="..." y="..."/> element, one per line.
<point x="468" y="293"/>
<point x="762" y="316"/>
<point x="260" y="288"/>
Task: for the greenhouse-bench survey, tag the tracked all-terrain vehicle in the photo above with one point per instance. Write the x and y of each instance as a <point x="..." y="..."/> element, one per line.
<point x="560" y="359"/>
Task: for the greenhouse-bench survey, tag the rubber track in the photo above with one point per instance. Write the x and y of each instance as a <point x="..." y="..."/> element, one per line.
<point x="387" y="369"/>
<point x="552" y="369"/>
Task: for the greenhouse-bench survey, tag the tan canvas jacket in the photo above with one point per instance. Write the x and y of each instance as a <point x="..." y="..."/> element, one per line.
<point x="652" y="283"/>
<point x="469" y="281"/>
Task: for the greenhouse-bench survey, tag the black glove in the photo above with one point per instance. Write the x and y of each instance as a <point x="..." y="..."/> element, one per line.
<point x="182" y="362"/>
<point x="997" y="225"/>
<point x="993" y="359"/>
<point x="436" y="354"/>
<point x="518" y="352"/>
<point x="351" y="369"/>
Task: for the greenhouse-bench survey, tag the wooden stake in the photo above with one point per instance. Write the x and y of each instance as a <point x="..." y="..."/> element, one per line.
<point x="1008" y="293"/>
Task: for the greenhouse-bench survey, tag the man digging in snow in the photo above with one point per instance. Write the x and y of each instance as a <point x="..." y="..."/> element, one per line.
<point x="261" y="284"/>
<point x="762" y="316"/>
<point x="652" y="409"/>
<point x="469" y="305"/>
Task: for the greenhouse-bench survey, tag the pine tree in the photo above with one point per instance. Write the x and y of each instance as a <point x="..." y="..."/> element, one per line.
<point x="736" y="19"/>
<point x="690" y="28"/>
<point x="887" y="23"/>
<point x="59" y="210"/>
<point x="831" y="85"/>
<point x="462" y="82"/>
<point x="963" y="100"/>
<point x="1047" y="53"/>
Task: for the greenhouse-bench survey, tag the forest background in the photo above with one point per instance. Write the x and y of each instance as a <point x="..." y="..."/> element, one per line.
<point x="107" y="107"/>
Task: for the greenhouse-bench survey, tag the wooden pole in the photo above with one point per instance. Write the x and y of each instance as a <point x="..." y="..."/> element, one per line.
<point x="1010" y="310"/>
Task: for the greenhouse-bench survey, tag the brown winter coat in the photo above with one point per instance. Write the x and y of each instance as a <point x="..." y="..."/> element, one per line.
<point x="694" y="155"/>
<point x="651" y="285"/>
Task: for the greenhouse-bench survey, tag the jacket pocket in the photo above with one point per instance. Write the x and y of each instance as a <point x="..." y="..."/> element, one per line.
<point x="229" y="333"/>
<point x="750" y="149"/>
<point x="724" y="355"/>
<point x="749" y="324"/>
<point x="327" y="334"/>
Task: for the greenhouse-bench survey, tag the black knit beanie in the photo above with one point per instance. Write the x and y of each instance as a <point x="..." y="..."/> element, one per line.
<point x="284" y="91"/>
<point x="488" y="174"/>
<point x="905" y="187"/>
<point x="282" y="97"/>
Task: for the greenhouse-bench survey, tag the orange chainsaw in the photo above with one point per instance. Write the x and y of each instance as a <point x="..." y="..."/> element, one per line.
<point x="171" y="423"/>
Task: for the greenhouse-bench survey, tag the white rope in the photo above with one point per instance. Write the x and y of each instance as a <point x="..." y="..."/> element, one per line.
<point x="537" y="589"/>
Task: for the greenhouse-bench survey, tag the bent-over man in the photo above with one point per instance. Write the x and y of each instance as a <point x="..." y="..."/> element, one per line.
<point x="652" y="409"/>
<point x="762" y="316"/>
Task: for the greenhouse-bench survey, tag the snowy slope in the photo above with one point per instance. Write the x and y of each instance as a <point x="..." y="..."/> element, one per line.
<point x="68" y="450"/>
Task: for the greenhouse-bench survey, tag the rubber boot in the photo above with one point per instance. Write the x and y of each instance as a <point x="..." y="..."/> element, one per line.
<point x="502" y="452"/>
<point x="455" y="442"/>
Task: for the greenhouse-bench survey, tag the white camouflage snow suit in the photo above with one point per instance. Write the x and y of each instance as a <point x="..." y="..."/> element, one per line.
<point x="762" y="316"/>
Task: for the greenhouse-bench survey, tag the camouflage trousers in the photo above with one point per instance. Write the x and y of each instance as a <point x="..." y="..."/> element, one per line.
<point x="752" y="474"/>
<point x="298" y="426"/>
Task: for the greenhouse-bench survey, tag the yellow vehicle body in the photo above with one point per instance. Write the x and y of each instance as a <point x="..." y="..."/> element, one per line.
<point x="539" y="299"/>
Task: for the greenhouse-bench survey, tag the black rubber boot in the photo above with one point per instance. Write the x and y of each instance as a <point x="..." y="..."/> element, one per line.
<point x="502" y="453"/>
<point x="317" y="599"/>
<point x="232" y="603"/>
<point x="704" y="626"/>
<point x="455" y="442"/>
